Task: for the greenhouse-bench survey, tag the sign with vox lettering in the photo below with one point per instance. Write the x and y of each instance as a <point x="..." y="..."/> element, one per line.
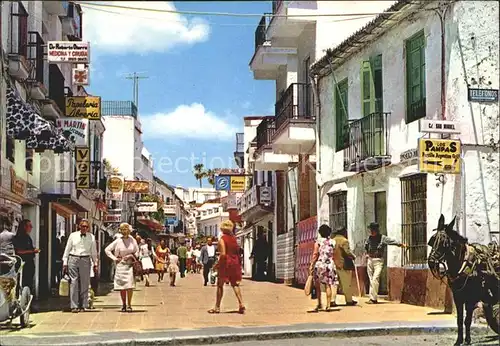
<point x="82" y="168"/>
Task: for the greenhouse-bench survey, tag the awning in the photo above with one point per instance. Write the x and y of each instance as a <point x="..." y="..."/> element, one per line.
<point x="22" y="119"/>
<point x="337" y="187"/>
<point x="150" y="223"/>
<point x="56" y="142"/>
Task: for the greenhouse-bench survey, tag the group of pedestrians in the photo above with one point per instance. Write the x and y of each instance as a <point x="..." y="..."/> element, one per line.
<point x="333" y="263"/>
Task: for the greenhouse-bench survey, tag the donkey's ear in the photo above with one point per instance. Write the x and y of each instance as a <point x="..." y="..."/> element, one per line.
<point x="450" y="226"/>
<point x="441" y="222"/>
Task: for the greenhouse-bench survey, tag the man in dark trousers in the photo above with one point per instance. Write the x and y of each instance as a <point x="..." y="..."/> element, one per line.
<point x="182" y="254"/>
<point x="260" y="253"/>
<point x="207" y="258"/>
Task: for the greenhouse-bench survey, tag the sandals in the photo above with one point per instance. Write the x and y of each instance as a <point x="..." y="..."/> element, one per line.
<point x="124" y="309"/>
<point x="317" y="308"/>
<point x="214" y="311"/>
<point x="241" y="310"/>
<point x="129" y="309"/>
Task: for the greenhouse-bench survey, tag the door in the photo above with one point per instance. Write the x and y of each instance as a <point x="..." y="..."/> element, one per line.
<point x="270" y="263"/>
<point x="381" y="219"/>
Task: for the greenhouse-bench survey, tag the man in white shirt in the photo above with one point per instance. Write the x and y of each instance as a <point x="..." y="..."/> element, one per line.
<point x="80" y="252"/>
<point x="208" y="258"/>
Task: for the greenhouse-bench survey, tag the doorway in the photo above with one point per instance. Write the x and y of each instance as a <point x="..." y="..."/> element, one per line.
<point x="380" y="202"/>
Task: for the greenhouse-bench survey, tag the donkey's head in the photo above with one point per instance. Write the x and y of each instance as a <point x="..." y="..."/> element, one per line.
<point x="447" y="246"/>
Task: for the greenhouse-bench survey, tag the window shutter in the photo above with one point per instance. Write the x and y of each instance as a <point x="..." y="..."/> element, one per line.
<point x="367" y="88"/>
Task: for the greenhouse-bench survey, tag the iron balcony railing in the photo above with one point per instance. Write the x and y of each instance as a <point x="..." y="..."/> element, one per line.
<point x="265" y="132"/>
<point x="260" y="32"/>
<point x="119" y="108"/>
<point x="36" y="55"/>
<point x="56" y="87"/>
<point x="294" y="105"/>
<point x="255" y="196"/>
<point x="367" y="145"/>
<point x="240" y="144"/>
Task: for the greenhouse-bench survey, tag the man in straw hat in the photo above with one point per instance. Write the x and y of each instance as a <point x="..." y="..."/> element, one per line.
<point x="80" y="252"/>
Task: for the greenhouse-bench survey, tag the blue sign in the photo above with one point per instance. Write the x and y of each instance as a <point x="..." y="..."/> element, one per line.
<point x="171" y="221"/>
<point x="222" y="183"/>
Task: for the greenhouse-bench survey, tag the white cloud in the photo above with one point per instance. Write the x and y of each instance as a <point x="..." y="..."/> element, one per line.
<point x="187" y="121"/>
<point x="134" y="31"/>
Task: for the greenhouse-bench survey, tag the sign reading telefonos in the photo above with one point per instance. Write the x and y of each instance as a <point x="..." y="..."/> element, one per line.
<point x="439" y="156"/>
<point x="222" y="183"/>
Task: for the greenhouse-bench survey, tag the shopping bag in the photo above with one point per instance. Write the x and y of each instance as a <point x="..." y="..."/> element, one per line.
<point x="64" y="286"/>
<point x="309" y="285"/>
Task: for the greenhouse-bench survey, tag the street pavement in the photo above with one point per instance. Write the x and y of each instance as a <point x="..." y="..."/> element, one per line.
<point x="164" y="310"/>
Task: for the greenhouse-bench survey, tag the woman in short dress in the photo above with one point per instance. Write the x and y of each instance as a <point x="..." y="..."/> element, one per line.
<point x="145" y="258"/>
<point x="323" y="267"/>
<point x="162" y="253"/>
<point x="229" y="266"/>
<point x="124" y="251"/>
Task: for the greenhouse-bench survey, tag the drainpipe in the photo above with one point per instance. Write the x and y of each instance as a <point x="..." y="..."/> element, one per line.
<point x="441" y="12"/>
<point x="317" y="113"/>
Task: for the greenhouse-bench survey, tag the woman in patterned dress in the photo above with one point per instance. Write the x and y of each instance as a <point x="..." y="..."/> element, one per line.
<point x="162" y="255"/>
<point x="323" y="266"/>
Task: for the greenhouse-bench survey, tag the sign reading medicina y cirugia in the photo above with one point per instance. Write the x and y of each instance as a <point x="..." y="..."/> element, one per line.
<point x="439" y="155"/>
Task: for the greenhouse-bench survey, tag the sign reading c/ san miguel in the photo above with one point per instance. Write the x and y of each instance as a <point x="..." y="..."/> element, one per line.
<point x="439" y="156"/>
<point x="83" y="107"/>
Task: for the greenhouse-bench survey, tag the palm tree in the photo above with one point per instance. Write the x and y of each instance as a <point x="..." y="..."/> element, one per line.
<point x="199" y="172"/>
<point x="210" y="175"/>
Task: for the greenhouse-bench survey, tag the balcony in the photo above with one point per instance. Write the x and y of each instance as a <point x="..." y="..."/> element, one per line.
<point x="295" y="121"/>
<point x="55" y="106"/>
<point x="268" y="57"/>
<point x="57" y="8"/>
<point x="72" y="23"/>
<point x="367" y="147"/>
<point x="239" y="154"/>
<point x="283" y="27"/>
<point x="118" y="108"/>
<point x="38" y="91"/>
<point x="256" y="203"/>
<point x="265" y="159"/>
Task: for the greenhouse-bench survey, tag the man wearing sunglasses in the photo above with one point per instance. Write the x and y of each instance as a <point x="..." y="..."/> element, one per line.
<point x="80" y="252"/>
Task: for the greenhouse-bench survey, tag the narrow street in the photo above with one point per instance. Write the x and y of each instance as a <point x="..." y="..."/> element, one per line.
<point x="185" y="307"/>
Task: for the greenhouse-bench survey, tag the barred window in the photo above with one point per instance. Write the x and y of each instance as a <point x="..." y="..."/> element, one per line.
<point x="338" y="209"/>
<point x="414" y="218"/>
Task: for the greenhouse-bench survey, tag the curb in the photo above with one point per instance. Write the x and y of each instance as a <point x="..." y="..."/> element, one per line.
<point x="228" y="335"/>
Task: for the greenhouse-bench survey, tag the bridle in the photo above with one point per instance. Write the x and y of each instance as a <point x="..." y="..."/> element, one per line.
<point x="443" y="247"/>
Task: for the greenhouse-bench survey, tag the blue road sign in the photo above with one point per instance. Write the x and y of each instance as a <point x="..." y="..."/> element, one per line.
<point x="222" y="183"/>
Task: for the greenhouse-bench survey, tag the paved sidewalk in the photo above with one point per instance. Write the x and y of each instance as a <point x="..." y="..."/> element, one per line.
<point x="161" y="307"/>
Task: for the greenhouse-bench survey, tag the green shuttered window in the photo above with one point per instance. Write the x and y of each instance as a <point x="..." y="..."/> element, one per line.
<point x="415" y="77"/>
<point x="341" y="115"/>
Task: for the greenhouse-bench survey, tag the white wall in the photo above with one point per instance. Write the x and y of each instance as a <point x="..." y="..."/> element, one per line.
<point x="119" y="145"/>
<point x="467" y="60"/>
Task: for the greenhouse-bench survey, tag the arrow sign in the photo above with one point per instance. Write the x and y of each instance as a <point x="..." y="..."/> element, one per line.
<point x="435" y="163"/>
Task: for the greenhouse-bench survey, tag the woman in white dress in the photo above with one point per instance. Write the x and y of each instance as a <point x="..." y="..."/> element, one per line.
<point x="145" y="257"/>
<point x="124" y="252"/>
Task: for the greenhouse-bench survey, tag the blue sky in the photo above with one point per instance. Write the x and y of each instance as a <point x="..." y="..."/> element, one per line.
<point x="199" y="86"/>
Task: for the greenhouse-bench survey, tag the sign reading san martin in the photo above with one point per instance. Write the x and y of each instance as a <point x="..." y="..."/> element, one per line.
<point x="83" y="107"/>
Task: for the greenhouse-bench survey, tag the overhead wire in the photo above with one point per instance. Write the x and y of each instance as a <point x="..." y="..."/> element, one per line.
<point x="228" y="14"/>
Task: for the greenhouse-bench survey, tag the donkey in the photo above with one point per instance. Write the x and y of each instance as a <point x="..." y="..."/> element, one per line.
<point x="453" y="258"/>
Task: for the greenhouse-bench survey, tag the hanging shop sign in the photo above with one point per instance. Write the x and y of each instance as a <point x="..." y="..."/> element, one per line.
<point x="136" y="186"/>
<point x="147" y="207"/>
<point x="237" y="184"/>
<point x="113" y="218"/>
<point x="265" y="195"/>
<point x="229" y="171"/>
<point x="169" y="209"/>
<point x="408" y="155"/>
<point x="74" y="52"/>
<point x="17" y="185"/>
<point x="114" y="188"/>
<point x="438" y="126"/>
<point x="80" y="76"/>
<point x="222" y="183"/>
<point x="483" y="95"/>
<point x="439" y="156"/>
<point x="82" y="168"/>
<point x="83" y="107"/>
<point x="75" y="130"/>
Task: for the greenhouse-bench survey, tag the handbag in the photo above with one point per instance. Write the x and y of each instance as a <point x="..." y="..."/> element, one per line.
<point x="64" y="286"/>
<point x="137" y="267"/>
<point x="309" y="285"/>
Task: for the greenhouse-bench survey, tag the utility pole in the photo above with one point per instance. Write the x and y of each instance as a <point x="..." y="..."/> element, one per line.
<point x="136" y="77"/>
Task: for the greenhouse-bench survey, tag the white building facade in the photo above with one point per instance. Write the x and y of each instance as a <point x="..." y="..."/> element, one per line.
<point x="374" y="89"/>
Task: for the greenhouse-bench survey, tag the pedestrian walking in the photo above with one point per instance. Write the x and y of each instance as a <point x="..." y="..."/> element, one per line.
<point x="182" y="254"/>
<point x="79" y="255"/>
<point x="23" y="245"/>
<point x="229" y="267"/>
<point x="124" y="251"/>
<point x="260" y="253"/>
<point x="375" y="246"/>
<point x="207" y="258"/>
<point x="6" y="236"/>
<point x="189" y="260"/>
<point x="344" y="263"/>
<point x="173" y="267"/>
<point x="145" y="257"/>
<point x="197" y="265"/>
<point x="322" y="266"/>
<point x="162" y="253"/>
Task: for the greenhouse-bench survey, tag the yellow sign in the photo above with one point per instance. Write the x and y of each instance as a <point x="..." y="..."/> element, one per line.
<point x="83" y="107"/>
<point x="439" y="156"/>
<point x="237" y="184"/>
<point x="82" y="171"/>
